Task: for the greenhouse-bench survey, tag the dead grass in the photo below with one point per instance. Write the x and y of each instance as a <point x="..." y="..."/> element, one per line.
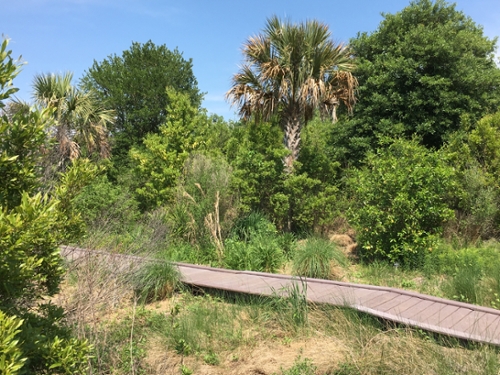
<point x="247" y="337"/>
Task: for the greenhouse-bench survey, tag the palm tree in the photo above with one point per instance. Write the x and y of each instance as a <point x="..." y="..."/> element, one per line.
<point x="292" y="70"/>
<point x="79" y="119"/>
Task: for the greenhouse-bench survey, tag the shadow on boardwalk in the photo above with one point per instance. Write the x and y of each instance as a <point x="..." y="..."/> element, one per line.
<point x="456" y="319"/>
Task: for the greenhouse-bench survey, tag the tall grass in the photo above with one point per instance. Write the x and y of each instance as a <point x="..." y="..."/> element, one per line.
<point x="156" y="280"/>
<point x="314" y="258"/>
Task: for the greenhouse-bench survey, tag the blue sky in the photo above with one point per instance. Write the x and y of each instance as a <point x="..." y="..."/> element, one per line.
<point x="55" y="36"/>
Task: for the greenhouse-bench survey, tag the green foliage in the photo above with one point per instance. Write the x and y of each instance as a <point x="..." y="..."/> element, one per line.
<point x="400" y="202"/>
<point x="303" y="201"/>
<point x="255" y="151"/>
<point x="158" y="163"/>
<point x="30" y="266"/>
<point x="253" y="245"/>
<point x="211" y="359"/>
<point x="300" y="367"/>
<point x="22" y="137"/>
<point x="103" y="204"/>
<point x="314" y="257"/>
<point x="78" y="174"/>
<point x="11" y="360"/>
<point x="472" y="272"/>
<point x="31" y="228"/>
<point x="10" y="69"/>
<point x="484" y="143"/>
<point x="133" y="85"/>
<point x="419" y="72"/>
<point x="476" y="160"/>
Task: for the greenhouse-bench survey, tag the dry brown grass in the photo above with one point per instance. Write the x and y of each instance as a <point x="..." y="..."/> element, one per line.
<point x="333" y="339"/>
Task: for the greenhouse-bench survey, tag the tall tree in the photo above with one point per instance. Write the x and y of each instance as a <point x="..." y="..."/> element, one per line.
<point x="291" y="70"/>
<point x="80" y="121"/>
<point x="133" y="85"/>
<point x="420" y="72"/>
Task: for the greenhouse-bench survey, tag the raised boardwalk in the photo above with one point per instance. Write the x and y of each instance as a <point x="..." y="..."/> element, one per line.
<point x="456" y="319"/>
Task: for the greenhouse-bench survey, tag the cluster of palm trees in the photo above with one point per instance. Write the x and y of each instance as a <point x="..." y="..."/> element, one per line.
<point x="290" y="71"/>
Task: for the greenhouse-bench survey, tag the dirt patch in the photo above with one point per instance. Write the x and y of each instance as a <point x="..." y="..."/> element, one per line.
<point x="264" y="358"/>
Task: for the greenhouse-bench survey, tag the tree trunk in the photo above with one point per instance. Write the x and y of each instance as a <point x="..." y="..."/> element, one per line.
<point x="292" y="126"/>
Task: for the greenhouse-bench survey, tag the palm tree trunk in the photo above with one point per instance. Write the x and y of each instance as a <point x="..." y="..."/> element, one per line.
<point x="292" y="126"/>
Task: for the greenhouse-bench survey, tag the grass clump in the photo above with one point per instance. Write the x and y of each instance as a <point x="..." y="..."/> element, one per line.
<point x="290" y="306"/>
<point x="313" y="259"/>
<point x="156" y="280"/>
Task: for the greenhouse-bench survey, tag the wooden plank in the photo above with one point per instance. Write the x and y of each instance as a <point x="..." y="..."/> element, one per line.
<point x="453" y="320"/>
<point x="392" y="305"/>
<point x="420" y="308"/>
<point x="444" y="312"/>
<point x="378" y="298"/>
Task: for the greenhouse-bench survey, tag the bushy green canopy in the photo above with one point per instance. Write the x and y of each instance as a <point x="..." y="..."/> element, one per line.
<point x="133" y="85"/>
<point x="422" y="70"/>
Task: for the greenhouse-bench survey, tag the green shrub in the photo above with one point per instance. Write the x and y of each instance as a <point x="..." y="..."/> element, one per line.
<point x="253" y="245"/>
<point x="11" y="360"/>
<point x="314" y="257"/>
<point x="102" y="204"/>
<point x="400" y="202"/>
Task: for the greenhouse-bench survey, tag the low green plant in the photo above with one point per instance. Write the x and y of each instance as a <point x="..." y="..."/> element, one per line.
<point x="211" y="358"/>
<point x="182" y="348"/>
<point x="186" y="370"/>
<point x="290" y="304"/>
<point x="313" y="258"/>
<point x="201" y="324"/>
<point x="253" y="245"/>
<point x="156" y="280"/>
<point x="300" y="367"/>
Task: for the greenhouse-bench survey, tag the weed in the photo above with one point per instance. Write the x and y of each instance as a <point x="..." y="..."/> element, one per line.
<point x="300" y="367"/>
<point x="186" y="370"/>
<point x="182" y="348"/>
<point x="291" y="305"/>
<point x="211" y="359"/>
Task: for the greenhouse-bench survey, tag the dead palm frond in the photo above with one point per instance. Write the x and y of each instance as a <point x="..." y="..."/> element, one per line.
<point x="80" y="121"/>
<point x="293" y="69"/>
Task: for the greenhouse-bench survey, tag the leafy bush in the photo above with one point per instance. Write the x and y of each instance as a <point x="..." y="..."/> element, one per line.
<point x="158" y="163"/>
<point x="11" y="360"/>
<point x="102" y="204"/>
<point x="32" y="226"/>
<point x="314" y="257"/>
<point x="253" y="245"/>
<point x="400" y="202"/>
